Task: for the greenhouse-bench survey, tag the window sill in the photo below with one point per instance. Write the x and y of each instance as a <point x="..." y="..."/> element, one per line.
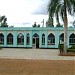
<point x="20" y="44"/>
<point x="72" y="44"/>
<point x="43" y="44"/>
<point x="51" y="44"/>
<point x="27" y="44"/>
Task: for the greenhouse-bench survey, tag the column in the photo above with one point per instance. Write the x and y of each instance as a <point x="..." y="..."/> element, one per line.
<point x="24" y="39"/>
<point x="30" y="38"/>
<point x="56" y="38"/>
<point x="46" y="35"/>
<point x="68" y="38"/>
<point x="40" y="41"/>
<point x="15" y="38"/>
<point x="5" y="38"/>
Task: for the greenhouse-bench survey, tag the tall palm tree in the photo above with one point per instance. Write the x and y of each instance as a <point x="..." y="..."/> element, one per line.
<point x="62" y="8"/>
<point x="49" y="22"/>
<point x="50" y="15"/>
<point x="3" y="20"/>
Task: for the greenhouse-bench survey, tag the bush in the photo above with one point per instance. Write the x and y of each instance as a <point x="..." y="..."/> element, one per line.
<point x="71" y="49"/>
<point x="61" y="48"/>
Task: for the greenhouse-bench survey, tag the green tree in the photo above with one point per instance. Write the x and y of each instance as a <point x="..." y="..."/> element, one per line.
<point x="50" y="19"/>
<point x="59" y="25"/>
<point x="62" y="8"/>
<point x="34" y="24"/>
<point x="3" y="21"/>
<point x="49" y="23"/>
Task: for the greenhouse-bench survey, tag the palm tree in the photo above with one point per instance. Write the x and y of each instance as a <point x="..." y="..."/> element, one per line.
<point x="50" y="19"/>
<point x="62" y="8"/>
<point x="49" y="22"/>
<point x="3" y="20"/>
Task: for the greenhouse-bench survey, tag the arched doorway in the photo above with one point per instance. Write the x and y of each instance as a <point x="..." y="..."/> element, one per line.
<point x="35" y="40"/>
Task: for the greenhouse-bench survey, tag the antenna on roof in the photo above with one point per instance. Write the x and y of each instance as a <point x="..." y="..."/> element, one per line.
<point x="42" y="23"/>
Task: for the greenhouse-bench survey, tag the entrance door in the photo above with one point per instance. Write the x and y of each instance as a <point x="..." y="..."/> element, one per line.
<point x="35" y="41"/>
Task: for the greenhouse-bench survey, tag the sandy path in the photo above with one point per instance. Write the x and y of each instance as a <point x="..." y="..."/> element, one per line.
<point x="37" y="67"/>
<point x="44" y="54"/>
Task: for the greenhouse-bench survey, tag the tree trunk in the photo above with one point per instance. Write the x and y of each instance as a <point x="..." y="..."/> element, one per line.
<point x="65" y="28"/>
<point x="65" y="34"/>
<point x="57" y="17"/>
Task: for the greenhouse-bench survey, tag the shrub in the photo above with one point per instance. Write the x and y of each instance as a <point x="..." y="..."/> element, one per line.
<point x="71" y="49"/>
<point x="61" y="47"/>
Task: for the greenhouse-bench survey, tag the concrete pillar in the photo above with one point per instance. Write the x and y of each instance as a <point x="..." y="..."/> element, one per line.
<point x="46" y="36"/>
<point x="56" y="38"/>
<point x="5" y="38"/>
<point x="15" y="38"/>
<point x="24" y="39"/>
<point x="68" y="39"/>
<point x="40" y="39"/>
<point x="31" y="39"/>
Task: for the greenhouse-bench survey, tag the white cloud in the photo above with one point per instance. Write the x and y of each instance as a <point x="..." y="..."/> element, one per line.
<point x="24" y="11"/>
<point x="42" y="8"/>
<point x="19" y="11"/>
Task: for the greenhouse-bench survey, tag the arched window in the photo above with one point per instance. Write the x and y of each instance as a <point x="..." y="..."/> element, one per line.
<point x="51" y="39"/>
<point x="36" y="40"/>
<point x="20" y="39"/>
<point x="36" y="35"/>
<point x="27" y="39"/>
<point x="61" y="38"/>
<point x="72" y="39"/>
<point x="1" y="38"/>
<point x="9" y="38"/>
<point x="43" y="39"/>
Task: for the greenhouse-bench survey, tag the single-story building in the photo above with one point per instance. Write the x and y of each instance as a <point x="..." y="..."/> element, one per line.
<point x="35" y="37"/>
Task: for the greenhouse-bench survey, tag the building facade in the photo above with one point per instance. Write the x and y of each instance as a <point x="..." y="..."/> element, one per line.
<point x="35" y="37"/>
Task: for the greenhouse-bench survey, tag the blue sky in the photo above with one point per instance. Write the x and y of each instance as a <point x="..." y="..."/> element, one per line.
<point x="25" y="12"/>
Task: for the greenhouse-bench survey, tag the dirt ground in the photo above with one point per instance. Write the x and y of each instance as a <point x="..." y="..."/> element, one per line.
<point x="36" y="67"/>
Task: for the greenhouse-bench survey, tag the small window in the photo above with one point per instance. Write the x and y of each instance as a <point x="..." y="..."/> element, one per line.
<point x="20" y="39"/>
<point x="61" y="38"/>
<point x="1" y="38"/>
<point x="51" y="39"/>
<point x="72" y="39"/>
<point x="9" y="38"/>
